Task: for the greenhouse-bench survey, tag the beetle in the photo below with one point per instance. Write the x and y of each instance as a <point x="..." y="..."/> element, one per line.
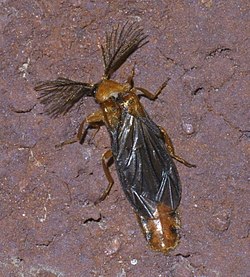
<point x="142" y="151"/>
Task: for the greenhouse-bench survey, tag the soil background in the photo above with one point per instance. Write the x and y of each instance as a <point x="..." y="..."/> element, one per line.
<point x="49" y="225"/>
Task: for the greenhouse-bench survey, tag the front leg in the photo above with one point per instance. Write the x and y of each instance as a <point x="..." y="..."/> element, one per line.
<point x="130" y="79"/>
<point x="150" y="95"/>
<point x="94" y="120"/>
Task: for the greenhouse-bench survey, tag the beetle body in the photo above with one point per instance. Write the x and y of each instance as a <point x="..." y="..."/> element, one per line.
<point x="141" y="150"/>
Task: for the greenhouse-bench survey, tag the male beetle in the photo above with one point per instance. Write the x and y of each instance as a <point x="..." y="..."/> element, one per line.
<point x="141" y="150"/>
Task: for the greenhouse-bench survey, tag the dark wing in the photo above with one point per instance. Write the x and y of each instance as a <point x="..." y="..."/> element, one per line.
<point x="147" y="173"/>
<point x="60" y="95"/>
<point x="121" y="42"/>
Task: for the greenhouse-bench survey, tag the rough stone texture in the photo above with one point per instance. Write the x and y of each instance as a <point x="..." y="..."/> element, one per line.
<point x="48" y="223"/>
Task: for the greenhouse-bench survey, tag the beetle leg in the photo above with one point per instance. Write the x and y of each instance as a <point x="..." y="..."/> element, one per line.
<point x="150" y="95"/>
<point x="94" y="120"/>
<point x="106" y="157"/>
<point x="171" y="150"/>
<point x="82" y="134"/>
<point x="66" y="142"/>
<point x="130" y="79"/>
<point x="97" y="127"/>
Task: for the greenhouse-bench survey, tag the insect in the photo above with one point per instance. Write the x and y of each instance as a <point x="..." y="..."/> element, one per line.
<point x="142" y="151"/>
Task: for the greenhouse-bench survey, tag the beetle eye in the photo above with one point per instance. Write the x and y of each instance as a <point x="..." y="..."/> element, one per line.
<point x="116" y="96"/>
<point x="112" y="97"/>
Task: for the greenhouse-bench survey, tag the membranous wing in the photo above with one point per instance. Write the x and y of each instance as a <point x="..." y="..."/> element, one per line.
<point x="60" y="95"/>
<point x="147" y="173"/>
<point x="120" y="43"/>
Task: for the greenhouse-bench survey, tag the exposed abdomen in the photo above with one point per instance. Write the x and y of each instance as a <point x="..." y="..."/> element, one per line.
<point x="161" y="231"/>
